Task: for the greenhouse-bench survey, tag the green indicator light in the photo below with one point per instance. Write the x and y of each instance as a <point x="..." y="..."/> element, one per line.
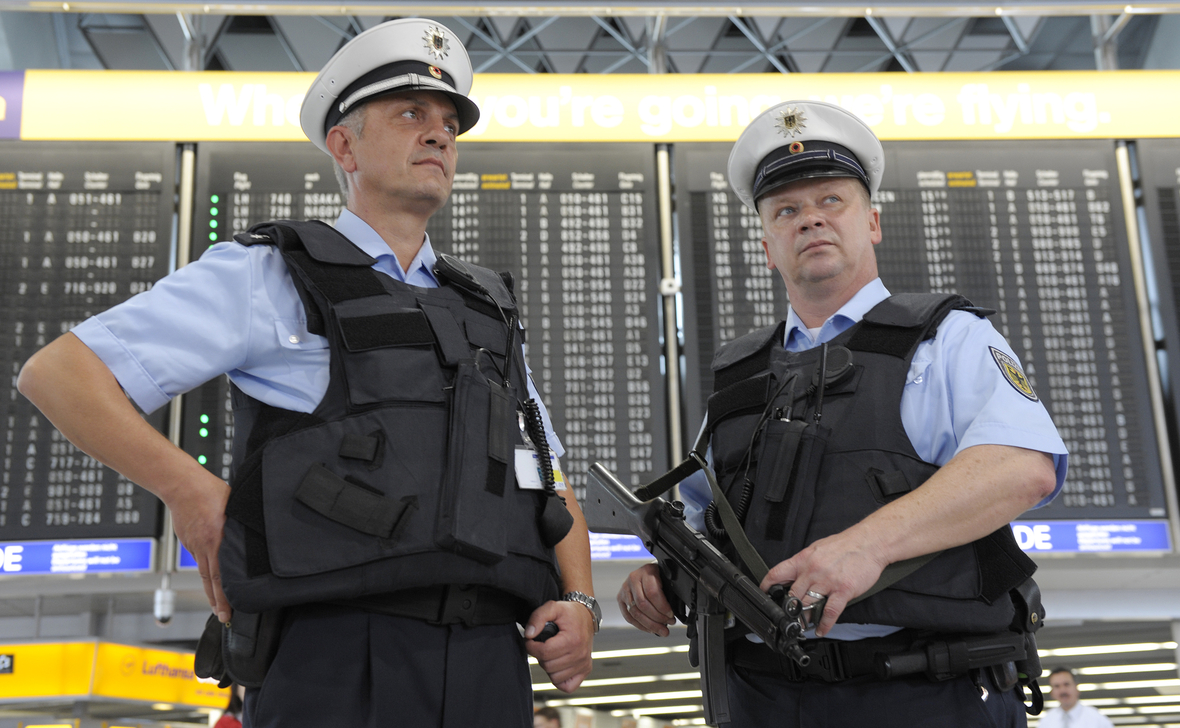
<point x="212" y="236"/>
<point x="212" y="223"/>
<point x="204" y="432"/>
<point x="212" y="210"/>
<point x="204" y="419"/>
<point x="201" y="459"/>
<point x="214" y="199"/>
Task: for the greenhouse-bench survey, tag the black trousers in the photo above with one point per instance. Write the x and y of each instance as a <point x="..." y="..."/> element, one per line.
<point x="762" y="699"/>
<point x="341" y="667"/>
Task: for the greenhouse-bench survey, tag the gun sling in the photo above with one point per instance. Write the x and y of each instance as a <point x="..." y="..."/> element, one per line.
<point x="904" y="653"/>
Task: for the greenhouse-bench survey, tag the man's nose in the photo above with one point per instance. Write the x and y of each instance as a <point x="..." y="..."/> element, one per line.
<point x="810" y="219"/>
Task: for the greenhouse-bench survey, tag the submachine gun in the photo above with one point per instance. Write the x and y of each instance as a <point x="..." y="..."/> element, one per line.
<point x="699" y="575"/>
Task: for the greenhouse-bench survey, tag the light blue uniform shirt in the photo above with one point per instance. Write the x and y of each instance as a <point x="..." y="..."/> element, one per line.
<point x="955" y="397"/>
<point x="236" y="311"/>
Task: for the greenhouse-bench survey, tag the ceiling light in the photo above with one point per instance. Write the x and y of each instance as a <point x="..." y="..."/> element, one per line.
<point x="1158" y="709"/>
<point x="596" y="701"/>
<point x="664" y="710"/>
<point x="1107" y="649"/>
<point x="641" y="652"/>
<point x="677" y="695"/>
<point x="624" y="680"/>
<point x="1123" y="669"/>
<point x="1131" y="685"/>
<point x="1148" y="699"/>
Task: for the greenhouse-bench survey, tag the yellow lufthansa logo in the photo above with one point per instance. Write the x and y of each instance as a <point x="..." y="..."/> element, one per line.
<point x="1011" y="370"/>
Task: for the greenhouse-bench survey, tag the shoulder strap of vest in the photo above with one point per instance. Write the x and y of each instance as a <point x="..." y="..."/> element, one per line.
<point x="320" y="240"/>
<point x="898" y="324"/>
<point x="318" y="257"/>
<point x="745" y="356"/>
<point x="476" y="281"/>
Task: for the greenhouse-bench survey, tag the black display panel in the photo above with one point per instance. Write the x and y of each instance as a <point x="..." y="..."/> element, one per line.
<point x="82" y="228"/>
<point x="1159" y="179"/>
<point x="576" y="225"/>
<point x="1033" y="230"/>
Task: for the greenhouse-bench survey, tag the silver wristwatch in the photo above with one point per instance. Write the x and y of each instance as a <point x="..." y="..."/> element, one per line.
<point x="588" y="602"/>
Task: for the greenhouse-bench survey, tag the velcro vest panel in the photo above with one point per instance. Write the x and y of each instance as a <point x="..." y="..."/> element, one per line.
<point x="403" y="476"/>
<point x="809" y="480"/>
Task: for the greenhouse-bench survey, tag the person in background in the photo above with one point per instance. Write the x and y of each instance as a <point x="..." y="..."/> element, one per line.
<point x="547" y="717"/>
<point x="232" y="717"/>
<point x="1063" y="688"/>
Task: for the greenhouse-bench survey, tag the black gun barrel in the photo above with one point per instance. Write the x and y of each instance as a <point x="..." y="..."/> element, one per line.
<point x="611" y="507"/>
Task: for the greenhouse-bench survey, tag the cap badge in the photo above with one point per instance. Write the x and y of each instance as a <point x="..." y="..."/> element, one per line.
<point x="791" y="121"/>
<point x="795" y="147"/>
<point x="435" y="71"/>
<point x="436" y="42"/>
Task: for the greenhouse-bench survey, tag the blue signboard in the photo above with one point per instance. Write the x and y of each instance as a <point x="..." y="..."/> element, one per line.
<point x="1090" y="537"/>
<point x="1035" y="537"/>
<point x="184" y="559"/>
<point x="79" y="556"/>
<point x="616" y="547"/>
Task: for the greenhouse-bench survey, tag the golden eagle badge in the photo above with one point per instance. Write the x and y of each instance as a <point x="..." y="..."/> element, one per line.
<point x="1011" y="370"/>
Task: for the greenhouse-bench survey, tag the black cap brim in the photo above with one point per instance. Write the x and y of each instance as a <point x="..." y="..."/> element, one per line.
<point x="812" y="160"/>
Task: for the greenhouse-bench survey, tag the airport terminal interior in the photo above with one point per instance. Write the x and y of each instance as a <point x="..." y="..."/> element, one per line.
<point x="1032" y="164"/>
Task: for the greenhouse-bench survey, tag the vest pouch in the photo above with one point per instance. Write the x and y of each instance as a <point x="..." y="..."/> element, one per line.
<point x="787" y="519"/>
<point x="330" y="503"/>
<point x="472" y="504"/>
<point x="776" y="461"/>
<point x="390" y="353"/>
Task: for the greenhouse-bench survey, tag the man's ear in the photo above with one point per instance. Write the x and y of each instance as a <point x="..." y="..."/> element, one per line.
<point x="874" y="226"/>
<point x="339" y="142"/>
<point x="766" y="249"/>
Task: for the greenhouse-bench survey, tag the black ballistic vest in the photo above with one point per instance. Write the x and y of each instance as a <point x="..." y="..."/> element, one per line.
<point x="403" y="476"/>
<point x="805" y="480"/>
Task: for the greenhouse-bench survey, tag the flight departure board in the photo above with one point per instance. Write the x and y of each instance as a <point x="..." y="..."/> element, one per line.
<point x="1032" y="230"/>
<point x="1159" y="175"/>
<point x="82" y="228"/>
<point x="576" y="226"/>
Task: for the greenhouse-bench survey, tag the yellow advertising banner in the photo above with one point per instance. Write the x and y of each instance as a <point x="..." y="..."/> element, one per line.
<point x="223" y="106"/>
<point x="157" y="676"/>
<point x="94" y="669"/>
<point x="46" y="670"/>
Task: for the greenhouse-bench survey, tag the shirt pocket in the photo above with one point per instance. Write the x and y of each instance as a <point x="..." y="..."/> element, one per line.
<point x="918" y="371"/>
<point x="293" y="337"/>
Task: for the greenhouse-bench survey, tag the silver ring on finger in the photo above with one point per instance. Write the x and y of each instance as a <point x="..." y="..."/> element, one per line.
<point x="816" y="595"/>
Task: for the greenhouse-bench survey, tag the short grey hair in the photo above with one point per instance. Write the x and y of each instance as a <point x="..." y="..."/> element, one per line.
<point x="354" y="121"/>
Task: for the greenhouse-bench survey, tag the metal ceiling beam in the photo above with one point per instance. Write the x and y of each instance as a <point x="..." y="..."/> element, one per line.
<point x="815" y="8"/>
<point x="1014" y="31"/>
<point x="887" y="38"/>
<point x="61" y="36"/>
<point x="286" y="45"/>
<point x="495" y="43"/>
<point x="507" y="50"/>
<point x="623" y="41"/>
<point x="758" y="43"/>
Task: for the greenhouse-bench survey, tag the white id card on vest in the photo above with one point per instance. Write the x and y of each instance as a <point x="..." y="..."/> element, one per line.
<point x="528" y="475"/>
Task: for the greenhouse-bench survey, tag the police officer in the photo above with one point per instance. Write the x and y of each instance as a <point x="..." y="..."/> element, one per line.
<point x="915" y="390"/>
<point x="378" y="388"/>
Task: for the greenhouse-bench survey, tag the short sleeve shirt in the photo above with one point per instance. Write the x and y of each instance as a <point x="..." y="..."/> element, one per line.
<point x="236" y="311"/>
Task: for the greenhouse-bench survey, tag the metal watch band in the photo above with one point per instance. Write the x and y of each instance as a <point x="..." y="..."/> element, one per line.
<point x="588" y="602"/>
